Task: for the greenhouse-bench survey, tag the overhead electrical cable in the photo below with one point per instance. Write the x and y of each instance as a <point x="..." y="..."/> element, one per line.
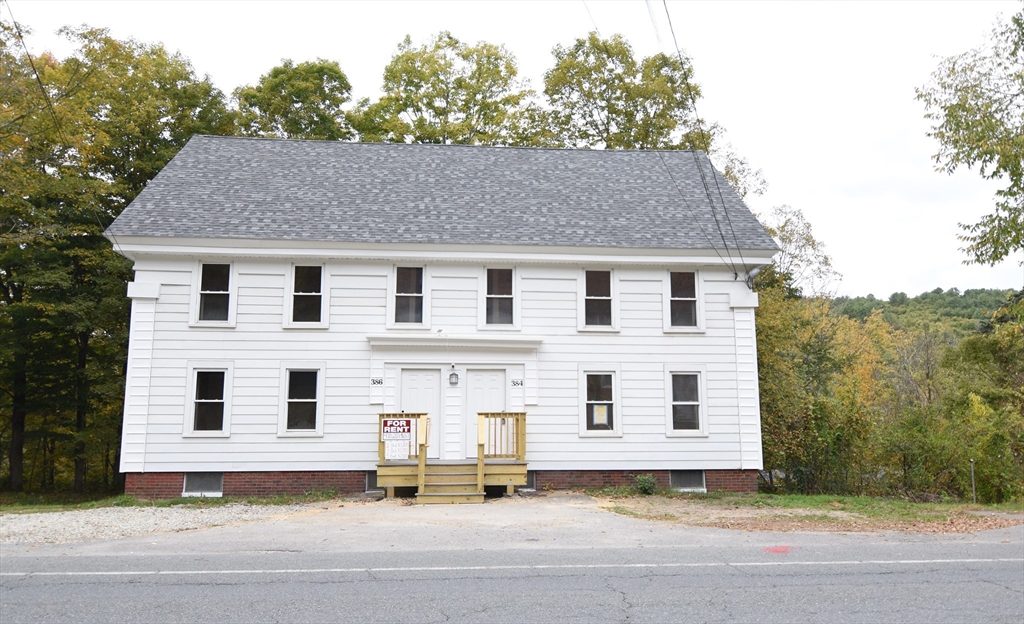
<point x="679" y="192"/>
<point x="707" y="150"/>
<point x="53" y="112"/>
<point x="592" y="20"/>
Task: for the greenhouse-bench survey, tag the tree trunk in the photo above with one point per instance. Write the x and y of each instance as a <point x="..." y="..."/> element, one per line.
<point x="12" y="293"/>
<point x="82" y="408"/>
<point x="16" y="455"/>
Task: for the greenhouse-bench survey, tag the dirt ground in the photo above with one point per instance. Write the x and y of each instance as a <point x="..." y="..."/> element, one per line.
<point x="751" y="518"/>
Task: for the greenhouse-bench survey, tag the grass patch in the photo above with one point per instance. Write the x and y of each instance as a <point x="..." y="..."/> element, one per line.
<point x="21" y="503"/>
<point x="875" y="508"/>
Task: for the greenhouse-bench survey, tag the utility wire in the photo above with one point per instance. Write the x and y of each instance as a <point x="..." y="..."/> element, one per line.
<point x="679" y="192"/>
<point x="35" y="72"/>
<point x="592" y="20"/>
<point x="53" y="113"/>
<point x="707" y="150"/>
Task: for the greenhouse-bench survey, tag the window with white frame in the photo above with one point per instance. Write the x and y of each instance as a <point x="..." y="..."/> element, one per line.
<point x="409" y="295"/>
<point x="208" y="406"/>
<point x="302" y="399"/>
<point x="600" y="406"/>
<point x="214" y="292"/>
<point x="307" y="295"/>
<point x="683" y="299"/>
<point x="597" y="302"/>
<point x="499" y="302"/>
<point x="208" y="414"/>
<point x="686" y="403"/>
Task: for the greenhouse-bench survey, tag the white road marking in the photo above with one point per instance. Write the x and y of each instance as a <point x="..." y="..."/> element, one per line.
<point x="591" y="566"/>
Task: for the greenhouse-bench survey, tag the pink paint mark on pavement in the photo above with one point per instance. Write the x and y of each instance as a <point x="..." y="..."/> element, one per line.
<point x="778" y="550"/>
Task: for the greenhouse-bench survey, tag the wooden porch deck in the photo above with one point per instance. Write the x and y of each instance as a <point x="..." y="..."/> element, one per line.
<point x="501" y="461"/>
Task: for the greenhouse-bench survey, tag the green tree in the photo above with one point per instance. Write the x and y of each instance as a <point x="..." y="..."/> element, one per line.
<point x="120" y="110"/>
<point x="447" y="91"/>
<point x="976" y="101"/>
<point x="303" y="101"/>
<point x="602" y="96"/>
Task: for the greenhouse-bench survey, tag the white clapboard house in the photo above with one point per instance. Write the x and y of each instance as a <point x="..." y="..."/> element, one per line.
<point x="328" y="315"/>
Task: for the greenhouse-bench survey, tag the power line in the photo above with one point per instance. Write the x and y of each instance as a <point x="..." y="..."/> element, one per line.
<point x="690" y="210"/>
<point x="592" y="20"/>
<point x="53" y="112"/>
<point x="707" y="150"/>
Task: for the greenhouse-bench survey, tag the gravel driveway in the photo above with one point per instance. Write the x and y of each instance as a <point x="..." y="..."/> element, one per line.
<point x="106" y="523"/>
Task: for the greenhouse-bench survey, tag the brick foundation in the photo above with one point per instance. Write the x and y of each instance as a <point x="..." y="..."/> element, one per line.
<point x="157" y="485"/>
<point x="569" y="479"/>
<point x="152" y="485"/>
<point x="740" y="481"/>
<point x="293" y="483"/>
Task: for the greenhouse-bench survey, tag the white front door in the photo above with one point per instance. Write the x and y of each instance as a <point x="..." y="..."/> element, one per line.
<point x="485" y="392"/>
<point x="421" y="393"/>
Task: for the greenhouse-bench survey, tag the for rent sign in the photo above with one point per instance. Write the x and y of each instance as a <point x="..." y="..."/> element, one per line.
<point x="396" y="429"/>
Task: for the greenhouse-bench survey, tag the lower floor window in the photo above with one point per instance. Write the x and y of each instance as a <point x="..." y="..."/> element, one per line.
<point x="302" y="399"/>
<point x="600" y="402"/>
<point x="685" y="402"/>
<point x="208" y="414"/>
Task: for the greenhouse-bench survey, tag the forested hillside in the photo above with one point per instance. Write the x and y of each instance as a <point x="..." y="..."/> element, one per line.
<point x="951" y="310"/>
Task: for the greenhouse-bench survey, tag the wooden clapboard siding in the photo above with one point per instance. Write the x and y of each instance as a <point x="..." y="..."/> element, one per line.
<point x="164" y="340"/>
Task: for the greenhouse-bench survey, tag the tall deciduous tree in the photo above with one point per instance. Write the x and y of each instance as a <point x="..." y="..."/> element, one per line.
<point x="303" y="101"/>
<point x="114" y="113"/>
<point x="602" y="96"/>
<point x="447" y="91"/>
<point x="976" y="101"/>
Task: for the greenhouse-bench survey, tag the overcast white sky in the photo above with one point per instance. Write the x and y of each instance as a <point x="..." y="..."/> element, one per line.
<point x="820" y="95"/>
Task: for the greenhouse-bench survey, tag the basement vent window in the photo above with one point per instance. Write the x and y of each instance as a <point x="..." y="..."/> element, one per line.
<point x="371" y="482"/>
<point x="204" y="484"/>
<point x="687" y="480"/>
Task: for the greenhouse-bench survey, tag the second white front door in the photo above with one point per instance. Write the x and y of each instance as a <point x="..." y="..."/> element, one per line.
<point x="421" y="393"/>
<point x="485" y="392"/>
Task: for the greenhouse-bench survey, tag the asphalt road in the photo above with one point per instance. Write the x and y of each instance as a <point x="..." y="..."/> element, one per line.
<point x="559" y="559"/>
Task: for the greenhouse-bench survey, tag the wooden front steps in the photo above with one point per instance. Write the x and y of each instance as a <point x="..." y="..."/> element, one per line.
<point x="450" y="482"/>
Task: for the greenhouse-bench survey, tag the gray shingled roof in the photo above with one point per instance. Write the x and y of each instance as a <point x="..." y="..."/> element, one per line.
<point x="231" y="187"/>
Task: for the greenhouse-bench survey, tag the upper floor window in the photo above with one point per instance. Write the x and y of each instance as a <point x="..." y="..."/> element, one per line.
<point x="214" y="292"/>
<point x="409" y="295"/>
<point x="683" y="299"/>
<point x="499" y="300"/>
<point x="307" y="294"/>
<point x="597" y="302"/>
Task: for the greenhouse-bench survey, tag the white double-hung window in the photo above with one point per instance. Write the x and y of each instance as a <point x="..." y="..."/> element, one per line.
<point x="302" y="399"/>
<point x="600" y="403"/>
<point x="409" y="295"/>
<point x="307" y="306"/>
<point x="682" y="311"/>
<point x="213" y="294"/>
<point x="685" y="403"/>
<point x="208" y="404"/>
<point x="499" y="305"/>
<point x="597" y="308"/>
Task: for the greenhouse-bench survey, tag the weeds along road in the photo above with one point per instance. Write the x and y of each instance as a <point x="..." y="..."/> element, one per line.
<point x="558" y="559"/>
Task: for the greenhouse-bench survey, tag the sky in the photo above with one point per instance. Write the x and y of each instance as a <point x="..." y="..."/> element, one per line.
<point x="818" y="95"/>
